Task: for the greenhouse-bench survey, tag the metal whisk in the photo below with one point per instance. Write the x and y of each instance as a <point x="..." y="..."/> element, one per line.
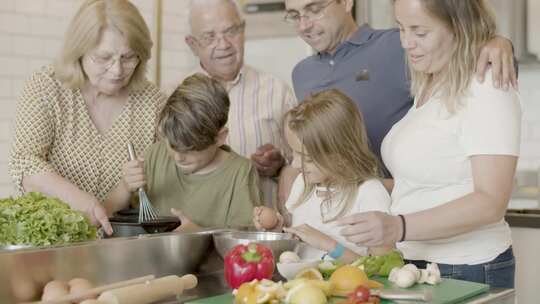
<point x="147" y="212"/>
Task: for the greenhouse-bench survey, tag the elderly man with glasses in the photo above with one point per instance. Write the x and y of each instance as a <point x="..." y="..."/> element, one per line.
<point x="258" y="100"/>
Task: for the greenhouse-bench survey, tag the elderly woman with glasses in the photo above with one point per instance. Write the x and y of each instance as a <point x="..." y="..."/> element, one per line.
<point x="76" y="116"/>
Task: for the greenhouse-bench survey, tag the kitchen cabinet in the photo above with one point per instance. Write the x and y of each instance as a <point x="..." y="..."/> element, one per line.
<point x="526" y="244"/>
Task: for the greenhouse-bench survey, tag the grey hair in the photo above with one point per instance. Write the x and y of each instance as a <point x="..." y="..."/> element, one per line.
<point x="193" y="3"/>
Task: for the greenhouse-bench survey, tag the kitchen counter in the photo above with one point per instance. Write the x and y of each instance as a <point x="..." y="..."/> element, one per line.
<point x="525" y="218"/>
<point x="115" y="260"/>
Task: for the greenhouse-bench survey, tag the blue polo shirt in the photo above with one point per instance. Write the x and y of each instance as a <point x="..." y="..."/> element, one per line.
<point x="370" y="68"/>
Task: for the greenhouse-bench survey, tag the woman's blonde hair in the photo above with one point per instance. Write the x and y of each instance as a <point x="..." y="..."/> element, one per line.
<point x="84" y="33"/>
<point x="334" y="137"/>
<point x="472" y="24"/>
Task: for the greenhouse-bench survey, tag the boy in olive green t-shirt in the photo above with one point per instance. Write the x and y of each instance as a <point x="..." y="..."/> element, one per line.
<point x="190" y="172"/>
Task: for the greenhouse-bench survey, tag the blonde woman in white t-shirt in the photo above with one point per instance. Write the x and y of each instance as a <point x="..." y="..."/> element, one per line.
<point x="339" y="175"/>
<point x="453" y="156"/>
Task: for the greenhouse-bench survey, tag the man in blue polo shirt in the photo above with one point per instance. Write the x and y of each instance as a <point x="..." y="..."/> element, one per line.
<point x="366" y="64"/>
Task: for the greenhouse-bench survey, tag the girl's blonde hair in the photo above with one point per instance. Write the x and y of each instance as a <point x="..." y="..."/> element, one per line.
<point x="333" y="135"/>
<point x="84" y="33"/>
<point x="472" y="24"/>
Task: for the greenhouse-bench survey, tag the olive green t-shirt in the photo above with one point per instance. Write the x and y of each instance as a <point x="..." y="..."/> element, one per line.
<point x="224" y="197"/>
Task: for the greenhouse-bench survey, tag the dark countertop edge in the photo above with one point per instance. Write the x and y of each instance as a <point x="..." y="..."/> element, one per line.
<point x="523" y="218"/>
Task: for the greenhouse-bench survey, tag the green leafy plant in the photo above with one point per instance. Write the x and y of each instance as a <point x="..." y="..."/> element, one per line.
<point x="36" y="220"/>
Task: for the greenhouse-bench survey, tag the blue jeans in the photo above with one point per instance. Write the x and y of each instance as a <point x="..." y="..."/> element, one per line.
<point x="499" y="272"/>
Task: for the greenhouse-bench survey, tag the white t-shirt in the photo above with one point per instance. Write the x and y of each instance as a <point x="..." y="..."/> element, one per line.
<point x="428" y="153"/>
<point x="371" y="196"/>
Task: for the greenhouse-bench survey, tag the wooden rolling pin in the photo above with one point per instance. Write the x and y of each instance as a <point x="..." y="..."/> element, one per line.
<point x="96" y="291"/>
<point x="149" y="292"/>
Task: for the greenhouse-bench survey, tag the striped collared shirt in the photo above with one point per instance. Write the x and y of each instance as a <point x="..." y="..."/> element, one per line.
<point x="258" y="103"/>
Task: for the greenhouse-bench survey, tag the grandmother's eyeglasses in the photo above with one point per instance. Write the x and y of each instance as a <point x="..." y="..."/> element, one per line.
<point x="106" y="62"/>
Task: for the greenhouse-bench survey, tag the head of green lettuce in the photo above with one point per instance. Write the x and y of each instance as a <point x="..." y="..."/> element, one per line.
<point x="36" y="220"/>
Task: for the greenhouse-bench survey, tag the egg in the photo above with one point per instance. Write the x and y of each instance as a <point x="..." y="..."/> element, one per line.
<point x="268" y="218"/>
<point x="24" y="288"/>
<point x="54" y="290"/>
<point x="289" y="257"/>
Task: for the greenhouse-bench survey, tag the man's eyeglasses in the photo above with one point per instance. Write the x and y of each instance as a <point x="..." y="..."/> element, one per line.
<point x="106" y="62"/>
<point x="314" y="11"/>
<point x="210" y="38"/>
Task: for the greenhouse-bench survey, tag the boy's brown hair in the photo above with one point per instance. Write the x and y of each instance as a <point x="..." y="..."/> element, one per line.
<point x="194" y="114"/>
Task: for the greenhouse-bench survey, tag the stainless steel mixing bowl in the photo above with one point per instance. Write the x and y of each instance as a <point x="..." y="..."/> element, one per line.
<point x="278" y="242"/>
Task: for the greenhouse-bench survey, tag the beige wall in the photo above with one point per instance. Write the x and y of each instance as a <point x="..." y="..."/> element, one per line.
<point x="30" y="35"/>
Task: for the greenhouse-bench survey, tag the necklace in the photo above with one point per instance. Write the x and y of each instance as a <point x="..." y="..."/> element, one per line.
<point x="327" y="206"/>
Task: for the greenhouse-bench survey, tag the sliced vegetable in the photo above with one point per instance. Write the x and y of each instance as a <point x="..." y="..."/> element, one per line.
<point x="347" y="278"/>
<point x="359" y="295"/>
<point x="379" y="265"/>
<point x="327" y="267"/>
<point x="310" y="273"/>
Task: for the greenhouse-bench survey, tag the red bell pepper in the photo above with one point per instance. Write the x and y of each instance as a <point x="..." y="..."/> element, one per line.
<point x="246" y="263"/>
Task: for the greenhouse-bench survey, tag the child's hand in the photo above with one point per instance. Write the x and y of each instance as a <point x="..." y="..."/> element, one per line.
<point x="265" y="218"/>
<point x="313" y="237"/>
<point x="186" y="225"/>
<point x="133" y="172"/>
<point x="268" y="160"/>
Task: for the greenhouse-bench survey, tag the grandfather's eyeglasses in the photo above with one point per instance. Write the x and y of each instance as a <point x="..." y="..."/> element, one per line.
<point x="106" y="62"/>
<point x="210" y="38"/>
<point x="313" y="11"/>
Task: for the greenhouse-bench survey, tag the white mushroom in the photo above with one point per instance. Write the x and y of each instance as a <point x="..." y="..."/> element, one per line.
<point x="405" y="278"/>
<point x="433" y="269"/>
<point x="393" y="274"/>
<point x="424" y="274"/>
<point x="289" y="257"/>
<point x="434" y="274"/>
<point x="413" y="269"/>
<point x="432" y="280"/>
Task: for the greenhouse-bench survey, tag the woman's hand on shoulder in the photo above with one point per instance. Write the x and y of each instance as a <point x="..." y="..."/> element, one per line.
<point x="133" y="174"/>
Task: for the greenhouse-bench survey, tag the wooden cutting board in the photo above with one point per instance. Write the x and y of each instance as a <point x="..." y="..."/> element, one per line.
<point x="447" y="292"/>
